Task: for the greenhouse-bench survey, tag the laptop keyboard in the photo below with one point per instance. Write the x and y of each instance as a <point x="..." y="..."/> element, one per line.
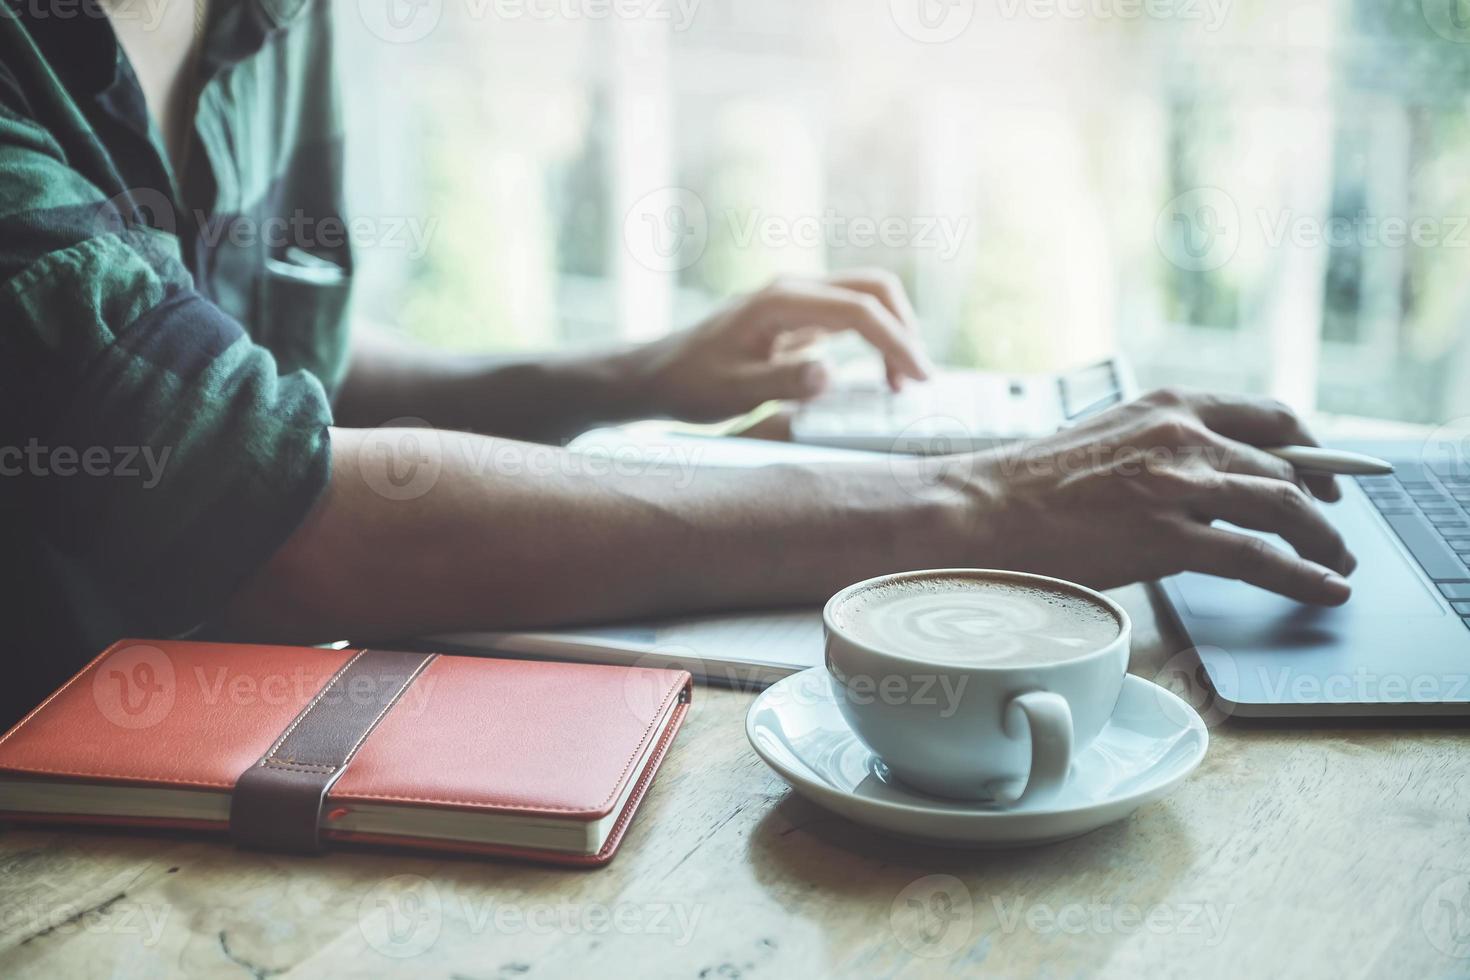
<point x="1428" y="507"/>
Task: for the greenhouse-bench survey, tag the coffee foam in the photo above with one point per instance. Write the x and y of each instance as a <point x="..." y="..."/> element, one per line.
<point x="962" y="620"/>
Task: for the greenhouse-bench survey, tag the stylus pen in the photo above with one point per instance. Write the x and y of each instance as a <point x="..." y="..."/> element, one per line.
<point x="1310" y="459"/>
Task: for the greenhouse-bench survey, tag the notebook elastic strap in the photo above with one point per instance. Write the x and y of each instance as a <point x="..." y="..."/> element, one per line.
<point x="277" y="802"/>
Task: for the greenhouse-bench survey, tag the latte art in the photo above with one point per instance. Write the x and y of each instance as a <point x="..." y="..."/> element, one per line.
<point x="977" y="621"/>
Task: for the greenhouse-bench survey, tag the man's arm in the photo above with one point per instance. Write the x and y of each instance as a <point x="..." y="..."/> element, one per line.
<point x="488" y="533"/>
<point x="749" y="351"/>
<point x="424" y="531"/>
<point x="545" y="398"/>
<point x="185" y="458"/>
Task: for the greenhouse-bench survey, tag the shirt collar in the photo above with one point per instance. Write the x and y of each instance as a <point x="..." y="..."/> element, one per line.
<point x="239" y="28"/>
<point x="282" y="12"/>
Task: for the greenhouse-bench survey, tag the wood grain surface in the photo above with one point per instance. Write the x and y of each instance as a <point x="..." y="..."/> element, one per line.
<point x="1323" y="851"/>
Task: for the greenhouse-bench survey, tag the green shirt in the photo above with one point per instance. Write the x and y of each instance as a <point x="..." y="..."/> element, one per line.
<point x="168" y="343"/>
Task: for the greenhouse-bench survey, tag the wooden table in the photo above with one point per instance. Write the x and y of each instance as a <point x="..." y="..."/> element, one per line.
<point x="1296" y="852"/>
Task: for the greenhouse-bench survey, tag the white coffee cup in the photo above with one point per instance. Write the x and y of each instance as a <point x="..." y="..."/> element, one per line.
<point x="1006" y="730"/>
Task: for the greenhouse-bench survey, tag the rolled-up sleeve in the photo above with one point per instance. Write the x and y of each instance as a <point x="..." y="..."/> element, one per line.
<point x="156" y="452"/>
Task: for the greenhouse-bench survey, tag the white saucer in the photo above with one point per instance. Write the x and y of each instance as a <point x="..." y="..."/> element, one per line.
<point x="1152" y="741"/>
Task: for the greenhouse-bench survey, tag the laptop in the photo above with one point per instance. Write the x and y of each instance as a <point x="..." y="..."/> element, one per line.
<point x="1399" y="647"/>
<point x="960" y="411"/>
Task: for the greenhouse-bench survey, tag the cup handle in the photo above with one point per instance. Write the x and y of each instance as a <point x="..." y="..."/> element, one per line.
<point x="1049" y="720"/>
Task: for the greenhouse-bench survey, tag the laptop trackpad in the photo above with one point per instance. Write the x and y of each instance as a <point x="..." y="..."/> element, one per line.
<point x="1386" y="582"/>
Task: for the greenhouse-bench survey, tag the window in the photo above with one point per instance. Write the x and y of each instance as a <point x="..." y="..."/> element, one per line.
<point x="1248" y="194"/>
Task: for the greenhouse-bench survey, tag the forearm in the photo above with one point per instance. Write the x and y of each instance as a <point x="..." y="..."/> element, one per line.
<point x="539" y="398"/>
<point x="491" y="547"/>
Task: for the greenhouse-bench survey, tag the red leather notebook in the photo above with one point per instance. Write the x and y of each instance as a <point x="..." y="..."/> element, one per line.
<point x="297" y="748"/>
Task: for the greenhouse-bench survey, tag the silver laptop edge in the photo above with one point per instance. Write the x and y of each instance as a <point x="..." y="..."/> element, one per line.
<point x="1397" y="648"/>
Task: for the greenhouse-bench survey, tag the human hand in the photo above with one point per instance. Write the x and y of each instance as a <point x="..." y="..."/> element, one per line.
<point x="1132" y="495"/>
<point x="756" y="348"/>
